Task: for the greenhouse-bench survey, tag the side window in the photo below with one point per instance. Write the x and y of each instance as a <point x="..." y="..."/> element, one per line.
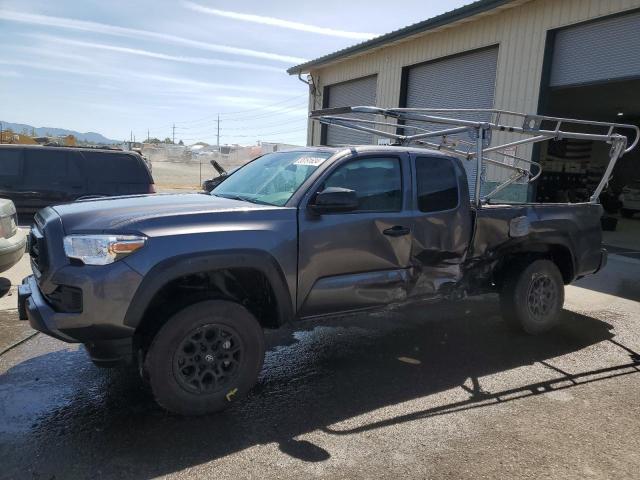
<point x="10" y="162"/>
<point x="114" y="168"/>
<point x="437" y="184"/>
<point x="376" y="181"/>
<point x="46" y="165"/>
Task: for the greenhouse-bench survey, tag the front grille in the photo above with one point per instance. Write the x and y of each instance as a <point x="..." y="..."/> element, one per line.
<point x="37" y="251"/>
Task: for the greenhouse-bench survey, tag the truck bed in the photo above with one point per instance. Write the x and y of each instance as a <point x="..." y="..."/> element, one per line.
<point x="504" y="230"/>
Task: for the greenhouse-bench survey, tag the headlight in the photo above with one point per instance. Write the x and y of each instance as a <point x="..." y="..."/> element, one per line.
<point x="101" y="249"/>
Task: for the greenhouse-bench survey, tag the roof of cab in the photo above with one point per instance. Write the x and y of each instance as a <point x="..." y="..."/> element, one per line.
<point x="64" y="148"/>
<point x="385" y="149"/>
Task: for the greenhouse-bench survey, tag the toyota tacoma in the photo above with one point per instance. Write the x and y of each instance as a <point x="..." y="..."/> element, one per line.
<point x="184" y="284"/>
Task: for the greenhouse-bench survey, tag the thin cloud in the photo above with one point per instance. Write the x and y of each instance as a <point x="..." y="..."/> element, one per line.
<point x="204" y="87"/>
<point x="160" y="56"/>
<point x="278" y="22"/>
<point x="95" y="27"/>
<point x="53" y="68"/>
<point x="10" y="74"/>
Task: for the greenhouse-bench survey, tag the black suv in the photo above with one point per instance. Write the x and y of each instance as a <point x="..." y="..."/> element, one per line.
<point x="34" y="176"/>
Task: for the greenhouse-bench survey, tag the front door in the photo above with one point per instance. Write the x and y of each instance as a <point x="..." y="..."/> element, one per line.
<point x="358" y="259"/>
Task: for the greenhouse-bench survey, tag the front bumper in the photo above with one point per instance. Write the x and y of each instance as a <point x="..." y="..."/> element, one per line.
<point x="33" y="307"/>
<point x="107" y="344"/>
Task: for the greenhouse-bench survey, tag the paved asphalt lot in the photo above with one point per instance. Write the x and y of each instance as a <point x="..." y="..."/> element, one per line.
<point x="440" y="391"/>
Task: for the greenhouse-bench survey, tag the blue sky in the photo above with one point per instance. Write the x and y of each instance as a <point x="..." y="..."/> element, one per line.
<point x="120" y="66"/>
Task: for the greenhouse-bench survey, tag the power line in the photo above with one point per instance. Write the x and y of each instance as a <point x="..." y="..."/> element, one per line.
<point x="250" y="110"/>
<point x="211" y="117"/>
<point x="255" y="137"/>
<point x="224" y="130"/>
<point x="261" y="114"/>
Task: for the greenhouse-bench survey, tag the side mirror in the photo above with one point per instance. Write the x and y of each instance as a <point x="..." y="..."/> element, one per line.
<point x="334" y="200"/>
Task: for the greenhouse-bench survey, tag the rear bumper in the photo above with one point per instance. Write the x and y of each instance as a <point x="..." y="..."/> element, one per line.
<point x="105" y="346"/>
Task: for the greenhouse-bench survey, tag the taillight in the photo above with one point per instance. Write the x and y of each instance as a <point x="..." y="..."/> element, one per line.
<point x="152" y="188"/>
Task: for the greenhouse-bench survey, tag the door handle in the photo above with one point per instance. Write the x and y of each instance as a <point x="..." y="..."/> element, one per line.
<point x="397" y="231"/>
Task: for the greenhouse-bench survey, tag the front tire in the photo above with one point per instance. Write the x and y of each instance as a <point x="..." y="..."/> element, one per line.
<point x="205" y="357"/>
<point x="532" y="297"/>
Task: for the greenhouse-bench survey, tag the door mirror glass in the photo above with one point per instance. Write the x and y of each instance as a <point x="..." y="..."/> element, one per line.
<point x="334" y="200"/>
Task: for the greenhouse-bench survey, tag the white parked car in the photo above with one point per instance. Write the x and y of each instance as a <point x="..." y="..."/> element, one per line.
<point x="630" y="199"/>
<point x="12" y="239"/>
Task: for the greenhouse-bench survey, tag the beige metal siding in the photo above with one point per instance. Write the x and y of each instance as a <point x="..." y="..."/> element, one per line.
<point x="520" y="31"/>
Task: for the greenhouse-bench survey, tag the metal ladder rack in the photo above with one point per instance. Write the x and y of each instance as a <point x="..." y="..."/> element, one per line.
<point x="530" y="129"/>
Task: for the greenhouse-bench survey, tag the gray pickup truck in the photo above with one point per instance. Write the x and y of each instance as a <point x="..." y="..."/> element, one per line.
<point x="186" y="283"/>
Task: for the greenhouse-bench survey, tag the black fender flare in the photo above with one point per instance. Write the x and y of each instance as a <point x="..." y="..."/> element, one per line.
<point x="176" y="267"/>
<point x="543" y="245"/>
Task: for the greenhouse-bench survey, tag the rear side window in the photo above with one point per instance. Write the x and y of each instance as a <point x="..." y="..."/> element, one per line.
<point x="50" y="165"/>
<point x="10" y="162"/>
<point x="115" y="168"/>
<point x="437" y="184"/>
<point x="376" y="181"/>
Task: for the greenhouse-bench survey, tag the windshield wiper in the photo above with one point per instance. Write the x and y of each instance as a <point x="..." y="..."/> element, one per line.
<point x="241" y="198"/>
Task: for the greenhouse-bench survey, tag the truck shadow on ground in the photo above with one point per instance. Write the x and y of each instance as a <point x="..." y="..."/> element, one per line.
<point x="59" y="407"/>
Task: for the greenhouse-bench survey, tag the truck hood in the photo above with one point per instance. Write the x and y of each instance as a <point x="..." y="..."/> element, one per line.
<point x="132" y="212"/>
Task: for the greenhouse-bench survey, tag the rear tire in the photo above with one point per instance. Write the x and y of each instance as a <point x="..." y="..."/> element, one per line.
<point x="532" y="297"/>
<point x="205" y="357"/>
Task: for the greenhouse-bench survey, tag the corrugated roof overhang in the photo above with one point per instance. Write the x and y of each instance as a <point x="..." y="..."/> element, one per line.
<point x="462" y="13"/>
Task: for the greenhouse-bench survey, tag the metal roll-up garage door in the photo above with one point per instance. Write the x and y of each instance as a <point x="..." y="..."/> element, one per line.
<point x="462" y="81"/>
<point x="597" y="51"/>
<point x="349" y="94"/>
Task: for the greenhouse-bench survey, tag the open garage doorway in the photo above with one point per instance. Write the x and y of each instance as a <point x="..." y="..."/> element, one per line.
<point x="586" y="79"/>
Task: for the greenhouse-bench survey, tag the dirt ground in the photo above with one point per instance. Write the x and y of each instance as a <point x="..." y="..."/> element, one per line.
<point x="181" y="176"/>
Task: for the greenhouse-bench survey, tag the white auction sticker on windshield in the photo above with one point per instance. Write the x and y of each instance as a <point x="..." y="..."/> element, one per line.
<point x="312" y="161"/>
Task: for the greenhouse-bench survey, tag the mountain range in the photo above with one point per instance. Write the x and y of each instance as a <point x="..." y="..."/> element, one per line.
<point x="89" y="137"/>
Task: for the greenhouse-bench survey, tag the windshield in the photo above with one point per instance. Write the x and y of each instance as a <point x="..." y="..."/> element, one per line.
<point x="271" y="179"/>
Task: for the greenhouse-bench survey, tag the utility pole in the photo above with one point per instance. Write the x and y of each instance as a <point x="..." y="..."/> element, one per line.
<point x="174" y="133"/>
<point x="147" y="135"/>
<point x="1" y="132"/>
<point x="218" y="141"/>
